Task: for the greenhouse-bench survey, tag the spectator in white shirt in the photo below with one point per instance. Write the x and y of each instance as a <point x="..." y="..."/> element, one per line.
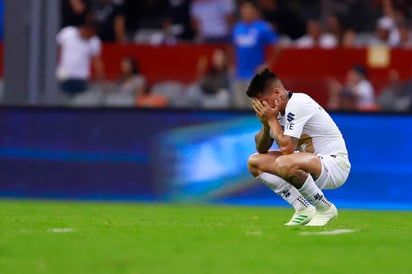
<point x="315" y="37"/>
<point x="212" y="20"/>
<point x="79" y="48"/>
<point x="386" y="33"/>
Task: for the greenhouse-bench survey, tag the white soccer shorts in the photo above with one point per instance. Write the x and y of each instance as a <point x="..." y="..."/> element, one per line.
<point x="335" y="171"/>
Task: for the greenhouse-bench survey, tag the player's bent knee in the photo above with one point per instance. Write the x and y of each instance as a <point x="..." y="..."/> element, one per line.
<point x="252" y="164"/>
<point x="253" y="159"/>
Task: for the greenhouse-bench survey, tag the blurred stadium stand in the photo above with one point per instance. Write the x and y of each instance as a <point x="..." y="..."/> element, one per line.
<point x="171" y="69"/>
<point x="302" y="70"/>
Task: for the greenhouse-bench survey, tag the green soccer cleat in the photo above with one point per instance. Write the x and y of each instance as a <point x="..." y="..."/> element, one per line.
<point x="302" y="217"/>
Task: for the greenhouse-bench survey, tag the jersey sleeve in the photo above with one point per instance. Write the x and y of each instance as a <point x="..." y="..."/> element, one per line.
<point x="297" y="115"/>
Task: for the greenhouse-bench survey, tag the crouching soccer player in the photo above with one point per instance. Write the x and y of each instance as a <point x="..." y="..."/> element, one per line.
<point x="295" y="121"/>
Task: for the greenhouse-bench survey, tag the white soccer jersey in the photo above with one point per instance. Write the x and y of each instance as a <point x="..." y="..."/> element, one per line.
<point x="306" y="120"/>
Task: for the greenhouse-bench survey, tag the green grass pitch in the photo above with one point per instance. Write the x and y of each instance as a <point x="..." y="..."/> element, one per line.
<point x="71" y="237"/>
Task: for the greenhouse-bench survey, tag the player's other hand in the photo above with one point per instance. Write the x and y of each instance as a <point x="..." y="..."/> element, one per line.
<point x="264" y="111"/>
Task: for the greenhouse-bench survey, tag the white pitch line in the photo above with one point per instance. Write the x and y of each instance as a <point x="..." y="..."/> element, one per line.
<point x="254" y="233"/>
<point x="62" y="230"/>
<point x="330" y="232"/>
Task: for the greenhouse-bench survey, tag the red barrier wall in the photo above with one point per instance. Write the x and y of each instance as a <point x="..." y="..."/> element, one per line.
<point x="300" y="69"/>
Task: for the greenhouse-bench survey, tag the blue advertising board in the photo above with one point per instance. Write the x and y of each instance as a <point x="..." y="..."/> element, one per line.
<point x="169" y="155"/>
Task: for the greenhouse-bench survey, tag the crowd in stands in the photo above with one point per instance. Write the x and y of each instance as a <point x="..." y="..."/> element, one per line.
<point x="249" y="27"/>
<point x="302" y="23"/>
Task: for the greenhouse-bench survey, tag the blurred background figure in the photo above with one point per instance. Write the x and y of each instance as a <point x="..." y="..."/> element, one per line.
<point x="168" y="36"/>
<point x="316" y="37"/>
<point x="251" y="36"/>
<point x="213" y="88"/>
<point x="270" y="12"/>
<point x="154" y="20"/>
<point x="356" y="94"/>
<point x="335" y="27"/>
<point x="178" y="22"/>
<point x="111" y="20"/>
<point x="408" y="91"/>
<point x="286" y="21"/>
<point x="349" y="38"/>
<point x="384" y="33"/>
<point x="395" y="96"/>
<point x="74" y="12"/>
<point x="387" y="33"/>
<point x="405" y="36"/>
<point x="129" y="86"/>
<point x="360" y="88"/>
<point x="212" y="20"/>
<point x="79" y="48"/>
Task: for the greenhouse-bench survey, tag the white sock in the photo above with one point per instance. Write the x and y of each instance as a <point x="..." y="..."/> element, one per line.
<point x="312" y="193"/>
<point x="285" y="190"/>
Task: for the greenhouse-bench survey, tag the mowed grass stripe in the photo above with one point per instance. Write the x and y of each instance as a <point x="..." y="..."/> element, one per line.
<point x="165" y="238"/>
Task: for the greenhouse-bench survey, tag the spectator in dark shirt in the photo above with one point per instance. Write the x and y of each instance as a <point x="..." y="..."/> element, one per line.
<point x="74" y="12"/>
<point x="151" y="13"/>
<point x="284" y="20"/>
<point x="111" y="20"/>
<point x="178" y="20"/>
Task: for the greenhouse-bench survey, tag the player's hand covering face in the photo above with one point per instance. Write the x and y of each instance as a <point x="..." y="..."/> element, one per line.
<point x="264" y="111"/>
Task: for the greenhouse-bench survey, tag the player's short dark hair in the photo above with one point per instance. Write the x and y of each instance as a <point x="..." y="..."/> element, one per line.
<point x="261" y="82"/>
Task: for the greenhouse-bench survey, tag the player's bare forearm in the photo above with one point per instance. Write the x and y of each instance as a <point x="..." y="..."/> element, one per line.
<point x="263" y="140"/>
<point x="287" y="144"/>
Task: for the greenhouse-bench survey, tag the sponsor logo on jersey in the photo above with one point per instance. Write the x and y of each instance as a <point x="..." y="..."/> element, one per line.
<point x="290" y="117"/>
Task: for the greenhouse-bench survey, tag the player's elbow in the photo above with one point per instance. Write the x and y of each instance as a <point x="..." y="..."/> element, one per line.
<point x="286" y="145"/>
<point x="286" y="151"/>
